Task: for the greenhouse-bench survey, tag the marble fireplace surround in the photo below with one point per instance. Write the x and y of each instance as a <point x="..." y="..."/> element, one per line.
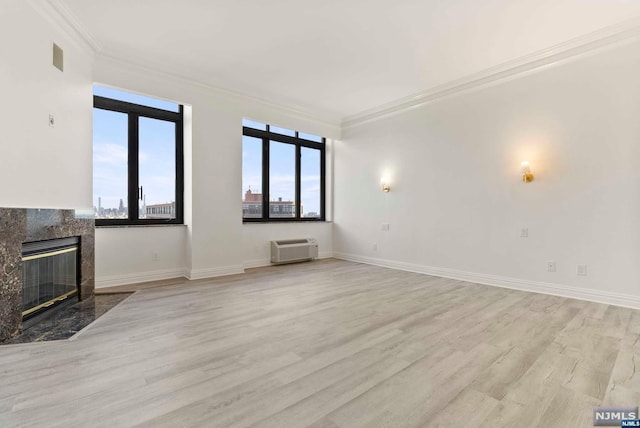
<point x="19" y="225"/>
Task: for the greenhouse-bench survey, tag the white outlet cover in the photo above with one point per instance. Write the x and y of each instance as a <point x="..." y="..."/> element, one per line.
<point x="551" y="266"/>
<point x="581" y="270"/>
<point x="524" y="232"/>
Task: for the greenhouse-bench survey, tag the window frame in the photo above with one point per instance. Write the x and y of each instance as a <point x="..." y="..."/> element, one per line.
<point x="134" y="112"/>
<point x="298" y="143"/>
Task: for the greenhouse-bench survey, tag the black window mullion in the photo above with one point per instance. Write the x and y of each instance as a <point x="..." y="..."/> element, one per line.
<point x="265" y="178"/>
<point x="298" y="201"/>
<point x="257" y="133"/>
<point x="179" y="197"/>
<point x="134" y="190"/>
<point x="322" y="181"/>
<point x="267" y="137"/>
<point x="126" y="107"/>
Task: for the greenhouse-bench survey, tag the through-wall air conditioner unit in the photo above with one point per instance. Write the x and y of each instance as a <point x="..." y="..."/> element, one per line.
<point x="293" y="250"/>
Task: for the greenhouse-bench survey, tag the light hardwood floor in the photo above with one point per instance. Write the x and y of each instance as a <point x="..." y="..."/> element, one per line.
<point x="329" y="344"/>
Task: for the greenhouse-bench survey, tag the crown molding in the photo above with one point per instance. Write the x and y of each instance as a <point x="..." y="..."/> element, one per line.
<point x="56" y="12"/>
<point x="606" y="37"/>
<point x="162" y="71"/>
<point x="61" y="15"/>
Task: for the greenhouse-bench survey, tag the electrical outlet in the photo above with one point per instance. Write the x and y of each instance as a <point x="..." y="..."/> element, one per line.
<point x="385" y="227"/>
<point x="581" y="270"/>
<point x="155" y="256"/>
<point x="524" y="232"/>
<point x="551" y="266"/>
<point x="52" y="121"/>
<point x="374" y="247"/>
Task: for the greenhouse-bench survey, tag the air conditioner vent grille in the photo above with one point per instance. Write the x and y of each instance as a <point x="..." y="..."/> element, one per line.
<point x="293" y="250"/>
<point x="292" y="241"/>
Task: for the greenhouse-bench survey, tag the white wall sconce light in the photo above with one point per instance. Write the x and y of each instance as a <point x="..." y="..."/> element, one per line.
<point x="527" y="175"/>
<point x="384" y="183"/>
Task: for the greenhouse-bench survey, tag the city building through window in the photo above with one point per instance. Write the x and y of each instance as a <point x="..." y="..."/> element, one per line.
<point x="290" y="165"/>
<point x="137" y="160"/>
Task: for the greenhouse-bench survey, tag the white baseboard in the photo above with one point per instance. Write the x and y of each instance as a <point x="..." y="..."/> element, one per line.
<point x="158" y="275"/>
<point x="213" y="272"/>
<point x="138" y="277"/>
<point x="325" y="254"/>
<point x="248" y="264"/>
<point x="598" y="296"/>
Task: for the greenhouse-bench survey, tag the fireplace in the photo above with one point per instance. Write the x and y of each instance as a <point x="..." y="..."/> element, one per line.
<point x="25" y="235"/>
<point x="50" y="272"/>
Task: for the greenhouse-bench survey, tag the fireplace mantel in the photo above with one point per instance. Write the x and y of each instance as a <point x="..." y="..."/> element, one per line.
<point x="20" y="225"/>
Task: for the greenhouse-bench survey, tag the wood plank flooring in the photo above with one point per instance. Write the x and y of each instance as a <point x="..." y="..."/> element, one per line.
<point x="330" y="344"/>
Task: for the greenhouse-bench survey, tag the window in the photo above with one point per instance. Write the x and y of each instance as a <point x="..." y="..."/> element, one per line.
<point x="282" y="170"/>
<point x="137" y="159"/>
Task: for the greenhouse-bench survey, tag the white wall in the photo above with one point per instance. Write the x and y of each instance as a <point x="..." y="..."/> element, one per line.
<point x="215" y="242"/>
<point x="40" y="166"/>
<point x="457" y="204"/>
<point x="117" y="264"/>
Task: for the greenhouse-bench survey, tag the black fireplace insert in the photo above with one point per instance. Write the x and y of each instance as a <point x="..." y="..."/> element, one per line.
<point x="50" y="270"/>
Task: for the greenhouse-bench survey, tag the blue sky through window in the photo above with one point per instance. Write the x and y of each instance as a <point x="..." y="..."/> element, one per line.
<point x="157" y="155"/>
<point x="157" y="160"/>
<point x="282" y="171"/>
<point x="157" y="173"/>
<point x="110" y="158"/>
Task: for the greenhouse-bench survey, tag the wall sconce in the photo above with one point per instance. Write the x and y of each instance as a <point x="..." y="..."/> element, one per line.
<point x="384" y="183"/>
<point x="527" y="176"/>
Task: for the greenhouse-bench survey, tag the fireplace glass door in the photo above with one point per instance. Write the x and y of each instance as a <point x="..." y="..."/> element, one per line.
<point x="50" y="274"/>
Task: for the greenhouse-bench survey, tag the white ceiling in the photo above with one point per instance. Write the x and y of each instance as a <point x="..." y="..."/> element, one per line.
<point x="336" y="57"/>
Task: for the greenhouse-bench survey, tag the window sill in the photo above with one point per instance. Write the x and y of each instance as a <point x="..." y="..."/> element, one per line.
<point x="119" y="226"/>
<point x="286" y="222"/>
